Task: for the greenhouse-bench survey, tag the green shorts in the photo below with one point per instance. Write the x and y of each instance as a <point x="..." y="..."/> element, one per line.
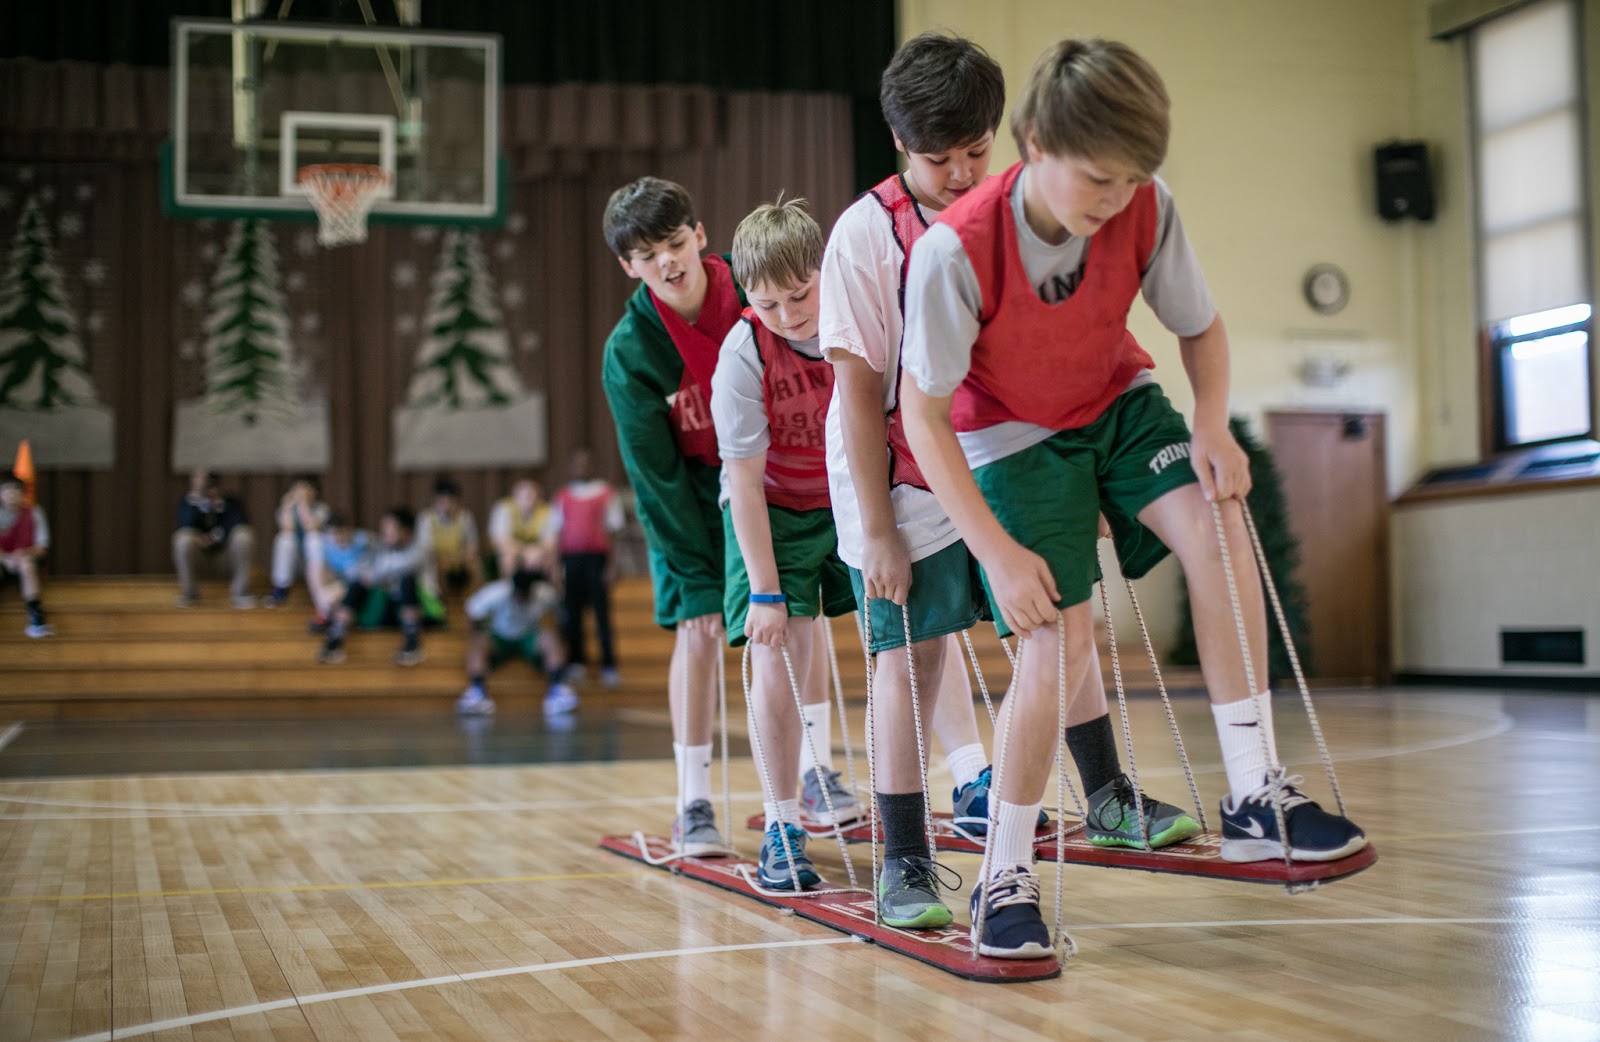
<point x="685" y="586"/>
<point x="806" y="550"/>
<point x="946" y="597"/>
<point x="1047" y="495"/>
<point x="503" y="650"/>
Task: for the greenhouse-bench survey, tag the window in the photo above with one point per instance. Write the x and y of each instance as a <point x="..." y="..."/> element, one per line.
<point x="1535" y="285"/>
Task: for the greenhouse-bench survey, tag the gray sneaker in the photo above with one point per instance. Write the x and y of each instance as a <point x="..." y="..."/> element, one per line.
<point x="814" y="808"/>
<point x="1112" y="821"/>
<point x="695" y="833"/>
<point x="908" y="895"/>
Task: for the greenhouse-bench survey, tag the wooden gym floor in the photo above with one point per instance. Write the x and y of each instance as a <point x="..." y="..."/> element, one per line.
<point x="320" y="897"/>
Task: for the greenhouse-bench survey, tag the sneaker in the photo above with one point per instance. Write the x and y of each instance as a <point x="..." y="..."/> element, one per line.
<point x="610" y="677"/>
<point x="696" y="831"/>
<point x="317" y="626"/>
<point x="971" y="805"/>
<point x="814" y="807"/>
<point x="1250" y="829"/>
<point x="1111" y="819"/>
<point x="275" y="599"/>
<point x="187" y="600"/>
<point x="410" y="654"/>
<point x="39" y="629"/>
<point x="560" y="700"/>
<point x="577" y="672"/>
<point x="908" y="894"/>
<point x="1012" y="925"/>
<point x="244" y="602"/>
<point x="775" y="871"/>
<point x="332" y="653"/>
<point x="474" y="701"/>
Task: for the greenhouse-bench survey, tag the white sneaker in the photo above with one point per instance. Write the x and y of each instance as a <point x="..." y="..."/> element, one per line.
<point x="610" y="677"/>
<point x="244" y="602"/>
<point x="474" y="702"/>
<point x="560" y="700"/>
<point x="40" y="629"/>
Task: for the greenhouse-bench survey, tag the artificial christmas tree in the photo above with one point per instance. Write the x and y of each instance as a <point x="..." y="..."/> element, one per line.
<point x="1271" y="514"/>
<point x="464" y="361"/>
<point x="247" y="349"/>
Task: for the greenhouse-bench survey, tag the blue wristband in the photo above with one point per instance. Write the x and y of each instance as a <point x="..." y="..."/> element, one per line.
<point x="767" y="598"/>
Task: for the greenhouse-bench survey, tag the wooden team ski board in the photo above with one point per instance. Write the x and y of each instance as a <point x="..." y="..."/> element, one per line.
<point x="949" y="949"/>
<point x="1200" y="856"/>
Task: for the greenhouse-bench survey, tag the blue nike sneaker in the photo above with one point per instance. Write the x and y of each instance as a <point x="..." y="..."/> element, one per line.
<point x="1250" y="827"/>
<point x="971" y="803"/>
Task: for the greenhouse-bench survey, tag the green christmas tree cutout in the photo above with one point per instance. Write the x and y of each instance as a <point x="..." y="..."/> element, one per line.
<point x="464" y="360"/>
<point x="42" y="365"/>
<point x="248" y="355"/>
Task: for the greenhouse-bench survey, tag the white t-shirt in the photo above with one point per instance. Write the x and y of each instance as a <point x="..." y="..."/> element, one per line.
<point x="738" y="397"/>
<point x="861" y="316"/>
<point x="507" y="618"/>
<point x="943" y="300"/>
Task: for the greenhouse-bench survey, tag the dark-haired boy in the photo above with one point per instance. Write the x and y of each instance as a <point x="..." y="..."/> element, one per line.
<point x="942" y="97"/>
<point x="24" y="538"/>
<point x="657" y="371"/>
<point x="1034" y="273"/>
<point x="513" y="618"/>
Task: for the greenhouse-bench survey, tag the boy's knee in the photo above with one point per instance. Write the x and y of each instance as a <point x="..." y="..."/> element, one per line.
<point x="241" y="539"/>
<point x="928" y="656"/>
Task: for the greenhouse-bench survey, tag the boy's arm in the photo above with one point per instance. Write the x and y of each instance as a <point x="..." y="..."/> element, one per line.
<point x="1023" y="587"/>
<point x="764" y="623"/>
<point x="1219" y="462"/>
<point x="885" y="563"/>
<point x="668" y="508"/>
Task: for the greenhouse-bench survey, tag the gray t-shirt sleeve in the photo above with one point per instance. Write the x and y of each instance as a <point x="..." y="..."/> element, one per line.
<point x="942" y="307"/>
<point x="1173" y="284"/>
<point x="738" y="402"/>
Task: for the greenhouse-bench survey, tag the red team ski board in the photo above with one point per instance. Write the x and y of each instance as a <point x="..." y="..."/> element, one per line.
<point x="1200" y="856"/>
<point x="949" y="949"/>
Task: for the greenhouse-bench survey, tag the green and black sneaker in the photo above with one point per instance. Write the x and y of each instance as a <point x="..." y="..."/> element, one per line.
<point x="1112" y="820"/>
<point x="908" y="894"/>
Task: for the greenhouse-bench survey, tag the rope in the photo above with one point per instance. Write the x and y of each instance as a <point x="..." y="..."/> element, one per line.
<point x="722" y="715"/>
<point x="1122" y="709"/>
<point x="922" y="742"/>
<point x="1060" y="939"/>
<point x="1294" y="657"/>
<point x="827" y="797"/>
<point x="761" y="763"/>
<point x="838" y="695"/>
<point x="1275" y="776"/>
<point x="681" y="829"/>
<point x="1166" y="704"/>
<point x="872" y="778"/>
<point x="977" y="671"/>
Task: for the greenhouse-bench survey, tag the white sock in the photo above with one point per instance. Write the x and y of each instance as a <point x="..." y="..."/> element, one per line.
<point x="1012" y="840"/>
<point x="694" y="768"/>
<point x="787" y="811"/>
<point x="819" y="729"/>
<point x="966" y="763"/>
<point x="1239" y="734"/>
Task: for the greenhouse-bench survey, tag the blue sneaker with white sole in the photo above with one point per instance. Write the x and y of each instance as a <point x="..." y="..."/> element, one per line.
<point x="1013" y="927"/>
<point x="971" y="805"/>
<point x="1250" y="827"/>
<point x="791" y="870"/>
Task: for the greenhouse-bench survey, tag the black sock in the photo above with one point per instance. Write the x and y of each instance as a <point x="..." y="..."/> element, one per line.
<point x="480" y="682"/>
<point x="1094" y="749"/>
<point x="558" y="675"/>
<point x="905" y="824"/>
<point x="35" y="613"/>
<point x="411" y="634"/>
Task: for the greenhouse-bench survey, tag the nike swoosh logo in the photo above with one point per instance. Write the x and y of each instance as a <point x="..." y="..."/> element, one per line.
<point x="1255" y="828"/>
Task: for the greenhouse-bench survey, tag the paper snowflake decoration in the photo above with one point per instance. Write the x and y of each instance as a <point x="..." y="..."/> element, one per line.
<point x="513" y="295"/>
<point x="193" y="293"/>
<point x="516" y="224"/>
<point x="425" y="232"/>
<point x="405" y="325"/>
<point x="505" y="249"/>
<point x="295" y="281"/>
<point x="310" y="322"/>
<point x="95" y="322"/>
<point x="94" y="272"/>
<point x="404" y="275"/>
<point x="71" y="225"/>
<point x="305" y="243"/>
<point x="528" y="343"/>
<point x="84" y="192"/>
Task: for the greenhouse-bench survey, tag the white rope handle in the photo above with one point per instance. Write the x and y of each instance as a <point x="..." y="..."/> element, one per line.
<point x="977" y="671"/>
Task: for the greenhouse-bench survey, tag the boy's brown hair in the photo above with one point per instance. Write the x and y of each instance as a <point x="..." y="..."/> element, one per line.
<point x="778" y="244"/>
<point x="940" y="92"/>
<point x="646" y="211"/>
<point x="1096" y="99"/>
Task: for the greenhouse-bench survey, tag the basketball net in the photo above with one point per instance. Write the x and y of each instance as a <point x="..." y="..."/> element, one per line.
<point x="343" y="194"/>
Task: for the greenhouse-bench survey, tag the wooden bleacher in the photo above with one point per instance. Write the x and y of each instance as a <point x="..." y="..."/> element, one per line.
<point x="123" y="649"/>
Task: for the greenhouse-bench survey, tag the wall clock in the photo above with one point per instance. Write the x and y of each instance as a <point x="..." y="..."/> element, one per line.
<point x="1326" y="289"/>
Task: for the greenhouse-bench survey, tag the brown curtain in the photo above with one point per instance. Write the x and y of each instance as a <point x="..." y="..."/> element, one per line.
<point x="569" y="146"/>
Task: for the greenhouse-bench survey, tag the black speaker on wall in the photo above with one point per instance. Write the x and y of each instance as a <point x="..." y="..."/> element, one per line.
<point x="1405" y="184"/>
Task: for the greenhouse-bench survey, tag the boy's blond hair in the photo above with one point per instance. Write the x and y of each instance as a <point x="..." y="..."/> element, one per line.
<point x="1098" y="100"/>
<point x="778" y="244"/>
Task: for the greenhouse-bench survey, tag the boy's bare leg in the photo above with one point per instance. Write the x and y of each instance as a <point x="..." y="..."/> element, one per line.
<point x="1029" y="721"/>
<point x="692" y="700"/>
<point x="955" y="718"/>
<point x="894" y="734"/>
<point x="816" y="745"/>
<point x="777" y="719"/>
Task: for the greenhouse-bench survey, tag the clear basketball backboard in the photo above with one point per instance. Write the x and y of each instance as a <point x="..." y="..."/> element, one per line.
<point x="256" y="102"/>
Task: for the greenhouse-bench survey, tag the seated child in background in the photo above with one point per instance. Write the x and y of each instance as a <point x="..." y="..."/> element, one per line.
<point x="343" y="548"/>
<point x="24" y="538"/>
<point x="449" y="534"/>
<point x="515" y="618"/>
<point x="301" y="517"/>
<point x="394" y="570"/>
<point x="520" y="529"/>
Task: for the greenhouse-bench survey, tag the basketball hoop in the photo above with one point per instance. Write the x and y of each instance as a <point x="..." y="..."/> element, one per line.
<point x="342" y="194"/>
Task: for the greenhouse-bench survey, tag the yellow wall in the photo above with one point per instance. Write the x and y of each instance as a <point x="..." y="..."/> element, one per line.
<point x="1277" y="105"/>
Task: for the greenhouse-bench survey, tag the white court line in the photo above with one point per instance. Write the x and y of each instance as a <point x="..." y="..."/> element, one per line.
<point x="8" y="734"/>
<point x="452" y="978"/>
<point x="1388" y="921"/>
<point x="1499" y="725"/>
